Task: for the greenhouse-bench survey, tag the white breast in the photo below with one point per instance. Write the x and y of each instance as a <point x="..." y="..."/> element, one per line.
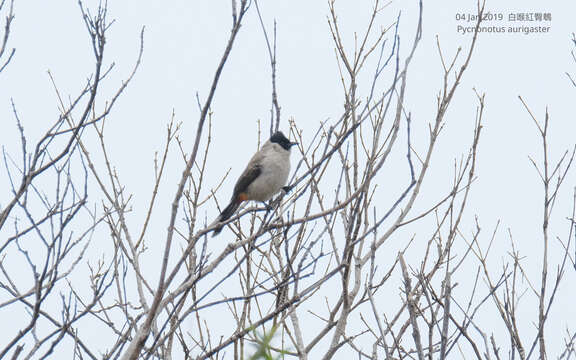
<point x="275" y="169"/>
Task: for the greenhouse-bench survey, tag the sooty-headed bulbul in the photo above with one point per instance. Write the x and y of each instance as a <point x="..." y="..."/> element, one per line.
<point x="264" y="176"/>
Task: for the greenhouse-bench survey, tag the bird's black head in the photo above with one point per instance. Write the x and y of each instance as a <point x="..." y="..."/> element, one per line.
<point x="281" y="140"/>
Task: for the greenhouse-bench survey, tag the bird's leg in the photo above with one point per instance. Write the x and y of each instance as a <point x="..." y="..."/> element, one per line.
<point x="267" y="205"/>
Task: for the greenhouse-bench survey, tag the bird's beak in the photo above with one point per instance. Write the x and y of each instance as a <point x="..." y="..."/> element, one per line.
<point x="293" y="143"/>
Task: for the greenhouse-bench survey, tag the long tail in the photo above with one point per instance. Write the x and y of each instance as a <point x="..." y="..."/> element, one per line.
<point x="226" y="214"/>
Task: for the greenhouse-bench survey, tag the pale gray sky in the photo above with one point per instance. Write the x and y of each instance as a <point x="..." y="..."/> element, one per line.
<point x="184" y="40"/>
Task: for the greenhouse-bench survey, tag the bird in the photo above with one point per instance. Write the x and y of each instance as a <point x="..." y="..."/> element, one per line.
<point x="264" y="176"/>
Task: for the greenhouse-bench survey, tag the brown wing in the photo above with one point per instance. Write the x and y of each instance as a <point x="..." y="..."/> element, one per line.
<point x="247" y="177"/>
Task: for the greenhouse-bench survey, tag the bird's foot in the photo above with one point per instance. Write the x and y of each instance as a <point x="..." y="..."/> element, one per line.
<point x="287" y="188"/>
<point x="269" y="207"/>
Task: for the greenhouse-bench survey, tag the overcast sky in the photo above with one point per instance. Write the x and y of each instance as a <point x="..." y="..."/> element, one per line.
<point x="184" y="39"/>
